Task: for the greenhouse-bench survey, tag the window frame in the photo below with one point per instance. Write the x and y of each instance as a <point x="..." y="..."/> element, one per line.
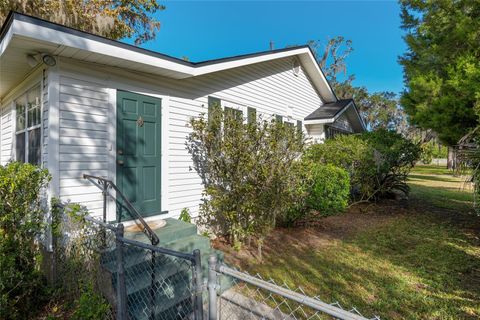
<point x="331" y="132"/>
<point x="26" y="130"/>
<point x="228" y="104"/>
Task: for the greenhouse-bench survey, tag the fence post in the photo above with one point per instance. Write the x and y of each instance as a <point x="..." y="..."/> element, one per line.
<point x="212" y="287"/>
<point x="198" y="304"/>
<point x="121" y="288"/>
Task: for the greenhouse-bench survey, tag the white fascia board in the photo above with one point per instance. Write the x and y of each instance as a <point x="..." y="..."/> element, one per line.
<point x="318" y="79"/>
<point x="319" y="121"/>
<point x="323" y="80"/>
<point x="220" y="66"/>
<point x="26" y="29"/>
<point x="6" y="41"/>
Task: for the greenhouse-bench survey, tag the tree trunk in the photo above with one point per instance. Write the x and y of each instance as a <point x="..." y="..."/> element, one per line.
<point x="451" y="158"/>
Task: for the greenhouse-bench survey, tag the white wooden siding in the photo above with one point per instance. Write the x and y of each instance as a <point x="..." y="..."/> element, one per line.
<point x="45" y="118"/>
<point x="316" y="132"/>
<point x="83" y="140"/>
<point x="6" y="133"/>
<point x="269" y="87"/>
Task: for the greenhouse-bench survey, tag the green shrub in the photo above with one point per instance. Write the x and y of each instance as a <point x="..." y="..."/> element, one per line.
<point x="426" y="154"/>
<point x="354" y="155"/>
<point x="378" y="162"/>
<point x="440" y="152"/>
<point x="90" y="305"/>
<point x="430" y="150"/>
<point x="21" y="223"/>
<point x="185" y="215"/>
<point x="395" y="156"/>
<point x="328" y="189"/>
<point x="321" y="190"/>
<point x="247" y="171"/>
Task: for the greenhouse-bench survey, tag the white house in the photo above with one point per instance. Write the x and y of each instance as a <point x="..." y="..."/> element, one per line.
<point x="76" y="103"/>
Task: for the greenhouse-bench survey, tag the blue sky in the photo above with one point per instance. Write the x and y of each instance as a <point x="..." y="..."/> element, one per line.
<point x="207" y="30"/>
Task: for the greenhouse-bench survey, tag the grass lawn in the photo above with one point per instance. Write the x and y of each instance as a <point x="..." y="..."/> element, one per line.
<point x="415" y="260"/>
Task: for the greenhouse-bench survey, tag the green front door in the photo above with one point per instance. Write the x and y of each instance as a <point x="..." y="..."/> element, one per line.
<point x="138" y="153"/>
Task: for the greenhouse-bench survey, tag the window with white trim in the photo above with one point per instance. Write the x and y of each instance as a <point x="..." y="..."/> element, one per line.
<point x="28" y="127"/>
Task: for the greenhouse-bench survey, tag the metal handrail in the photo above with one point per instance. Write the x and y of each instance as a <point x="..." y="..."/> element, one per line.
<point x="103" y="184"/>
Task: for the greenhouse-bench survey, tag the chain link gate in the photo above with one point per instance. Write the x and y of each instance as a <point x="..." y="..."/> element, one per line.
<point x="138" y="280"/>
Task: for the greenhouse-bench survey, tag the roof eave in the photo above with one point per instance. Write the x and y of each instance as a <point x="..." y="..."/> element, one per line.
<point x="328" y="120"/>
<point x="42" y="30"/>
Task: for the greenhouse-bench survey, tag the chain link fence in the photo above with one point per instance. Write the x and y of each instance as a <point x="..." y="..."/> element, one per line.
<point x="142" y="281"/>
<point x="135" y="280"/>
<point x="77" y="258"/>
<point x="235" y="295"/>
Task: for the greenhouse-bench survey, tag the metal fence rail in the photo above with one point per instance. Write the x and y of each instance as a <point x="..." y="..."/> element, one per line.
<point x="238" y="295"/>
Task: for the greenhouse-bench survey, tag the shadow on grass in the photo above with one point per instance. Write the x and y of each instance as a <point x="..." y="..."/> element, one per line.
<point x="430" y="178"/>
<point x="413" y="268"/>
<point x="442" y="197"/>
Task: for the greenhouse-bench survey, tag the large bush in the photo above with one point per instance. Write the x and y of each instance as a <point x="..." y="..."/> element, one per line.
<point x="378" y="162"/>
<point x="321" y="190"/>
<point x="21" y="222"/>
<point x="351" y="153"/>
<point x="328" y="189"/>
<point x="395" y="156"/>
<point x="248" y="171"/>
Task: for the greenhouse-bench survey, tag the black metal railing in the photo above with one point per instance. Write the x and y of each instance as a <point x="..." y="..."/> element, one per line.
<point x="103" y="184"/>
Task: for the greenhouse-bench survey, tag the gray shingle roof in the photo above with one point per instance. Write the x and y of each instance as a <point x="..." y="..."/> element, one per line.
<point x="329" y="110"/>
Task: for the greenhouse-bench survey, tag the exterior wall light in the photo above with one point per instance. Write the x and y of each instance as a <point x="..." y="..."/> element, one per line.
<point x="49" y="60"/>
<point x="32" y="60"/>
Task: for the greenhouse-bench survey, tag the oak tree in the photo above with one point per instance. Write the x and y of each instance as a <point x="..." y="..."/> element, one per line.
<point x="114" y="19"/>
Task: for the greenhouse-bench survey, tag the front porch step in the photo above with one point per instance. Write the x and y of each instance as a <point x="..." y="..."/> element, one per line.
<point x="173" y="230"/>
<point x="169" y="278"/>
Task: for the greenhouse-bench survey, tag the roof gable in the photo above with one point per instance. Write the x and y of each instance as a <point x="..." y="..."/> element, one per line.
<point x="330" y="112"/>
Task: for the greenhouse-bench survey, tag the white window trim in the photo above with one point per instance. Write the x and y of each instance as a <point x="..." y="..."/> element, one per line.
<point x="32" y="85"/>
<point x="244" y="109"/>
<point x="236" y="106"/>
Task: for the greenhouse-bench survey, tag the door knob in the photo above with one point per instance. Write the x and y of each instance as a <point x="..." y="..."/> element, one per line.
<point x="120" y="162"/>
<point x="120" y="151"/>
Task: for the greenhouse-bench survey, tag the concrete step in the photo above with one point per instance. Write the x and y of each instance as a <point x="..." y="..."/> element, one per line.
<point x="166" y="293"/>
<point x="173" y="230"/>
<point x="168" y="310"/>
<point x="168" y="278"/>
<point x="143" y="276"/>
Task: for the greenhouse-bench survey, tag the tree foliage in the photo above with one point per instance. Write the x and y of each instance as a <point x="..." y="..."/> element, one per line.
<point x="332" y="57"/>
<point x="21" y="222"/>
<point x="115" y="19"/>
<point x="248" y="171"/>
<point x="378" y="110"/>
<point x="442" y="65"/>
